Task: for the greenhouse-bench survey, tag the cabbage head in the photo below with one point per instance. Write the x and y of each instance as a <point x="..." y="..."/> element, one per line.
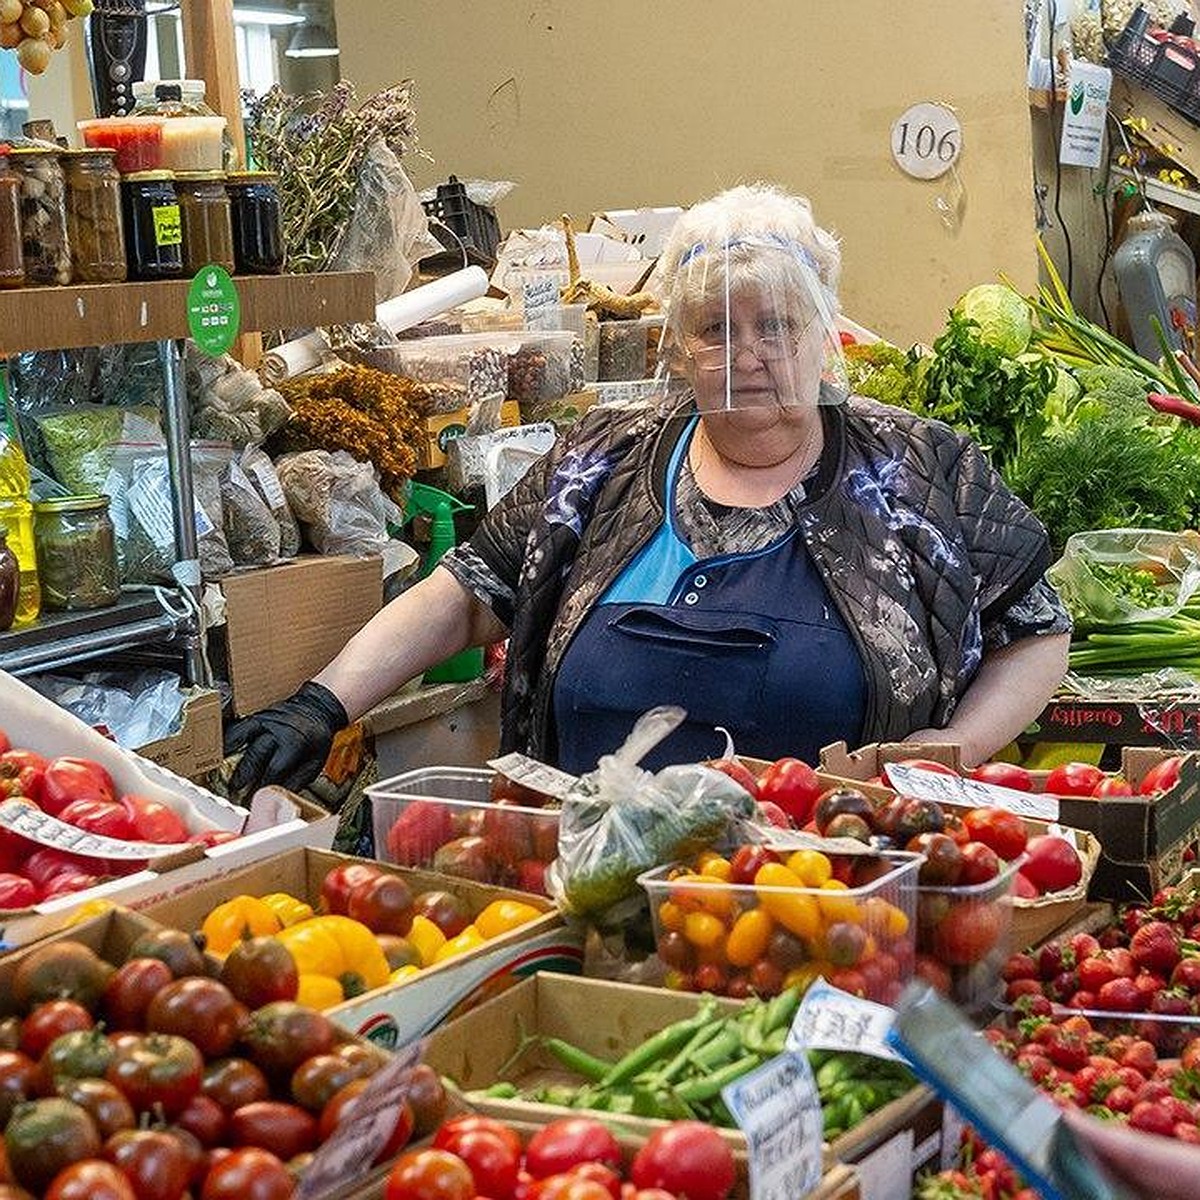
<point x="1002" y="316"/>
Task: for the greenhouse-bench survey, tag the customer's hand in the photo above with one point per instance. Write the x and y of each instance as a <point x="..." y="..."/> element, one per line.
<point x="288" y="743"/>
<point x="1145" y="1164"/>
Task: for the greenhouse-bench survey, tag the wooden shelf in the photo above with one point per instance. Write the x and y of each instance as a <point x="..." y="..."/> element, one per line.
<point x="1163" y="193"/>
<point x="63" y="318"/>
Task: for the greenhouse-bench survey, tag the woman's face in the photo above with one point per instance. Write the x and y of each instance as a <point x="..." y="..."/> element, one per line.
<point x="758" y="353"/>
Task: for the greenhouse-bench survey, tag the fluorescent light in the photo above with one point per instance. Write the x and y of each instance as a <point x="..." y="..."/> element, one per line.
<point x="312" y="41"/>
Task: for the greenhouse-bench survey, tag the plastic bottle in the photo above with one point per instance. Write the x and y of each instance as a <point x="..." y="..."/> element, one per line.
<point x="16" y="512"/>
<point x="440" y="507"/>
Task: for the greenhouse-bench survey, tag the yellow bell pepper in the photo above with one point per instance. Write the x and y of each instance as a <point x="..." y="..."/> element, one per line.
<point x="241" y="917"/>
<point x="340" y="949"/>
<point x="464" y="942"/>
<point x="319" y="991"/>
<point x="288" y="909"/>
<point x="502" y="915"/>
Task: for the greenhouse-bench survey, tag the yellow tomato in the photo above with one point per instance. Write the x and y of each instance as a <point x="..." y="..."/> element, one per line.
<point x="717" y="868"/>
<point x="748" y="938"/>
<point x="426" y="938"/>
<point x="501" y="916"/>
<point x="466" y="941"/>
<point x="670" y="916"/>
<point x="811" y="866"/>
<point x="836" y="907"/>
<point x="781" y="893"/>
<point x="884" y="920"/>
<point x="319" y="991"/>
<point x="400" y="974"/>
<point x="703" y="929"/>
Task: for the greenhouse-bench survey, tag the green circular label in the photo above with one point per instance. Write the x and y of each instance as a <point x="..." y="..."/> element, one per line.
<point x="214" y="311"/>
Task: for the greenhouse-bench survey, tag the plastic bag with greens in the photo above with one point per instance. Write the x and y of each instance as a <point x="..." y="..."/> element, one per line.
<point x="620" y="820"/>
<point x="1116" y="576"/>
<point x="81" y="441"/>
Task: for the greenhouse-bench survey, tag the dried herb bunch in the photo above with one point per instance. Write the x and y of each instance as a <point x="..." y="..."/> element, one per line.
<point x="372" y="415"/>
<point x="317" y="143"/>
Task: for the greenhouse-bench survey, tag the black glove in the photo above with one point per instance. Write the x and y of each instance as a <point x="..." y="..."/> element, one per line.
<point x="288" y="743"/>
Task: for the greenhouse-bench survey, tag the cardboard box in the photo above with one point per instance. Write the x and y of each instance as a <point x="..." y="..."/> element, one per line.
<point x="1142" y="838"/>
<point x="399" y="1013"/>
<point x="197" y="748"/>
<point x="284" y="624"/>
<point x="1171" y="725"/>
<point x="607" y="1019"/>
<point x="443" y="428"/>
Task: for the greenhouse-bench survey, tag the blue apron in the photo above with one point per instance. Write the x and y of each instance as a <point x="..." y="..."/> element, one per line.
<point x="752" y="642"/>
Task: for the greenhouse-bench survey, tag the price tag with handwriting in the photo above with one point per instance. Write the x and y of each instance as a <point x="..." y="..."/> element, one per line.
<point x="779" y="1111"/>
<point x="953" y="789"/>
<point x="831" y="1019"/>
<point x="19" y="817"/>
<point x="520" y="768"/>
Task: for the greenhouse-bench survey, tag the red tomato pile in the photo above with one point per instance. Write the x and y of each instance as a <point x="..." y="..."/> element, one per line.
<point x="489" y="843"/>
<point x="153" y="1081"/>
<point x="576" y="1158"/>
<point x="81" y="793"/>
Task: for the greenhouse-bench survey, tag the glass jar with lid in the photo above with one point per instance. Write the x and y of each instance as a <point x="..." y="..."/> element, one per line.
<point x="204" y="212"/>
<point x="45" y="247"/>
<point x="153" y="234"/>
<point x="257" y="232"/>
<point x="94" y="224"/>
<point x="76" y="553"/>
<point x="12" y="265"/>
<point x="10" y="582"/>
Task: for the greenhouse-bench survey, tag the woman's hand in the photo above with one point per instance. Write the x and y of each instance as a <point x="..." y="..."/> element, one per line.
<point x="1149" y="1166"/>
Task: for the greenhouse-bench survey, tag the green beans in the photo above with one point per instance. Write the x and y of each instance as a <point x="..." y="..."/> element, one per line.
<point x="579" y="1061"/>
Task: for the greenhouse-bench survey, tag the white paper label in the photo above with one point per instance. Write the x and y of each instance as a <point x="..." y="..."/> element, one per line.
<point x="520" y="768"/>
<point x="347" y="1156"/>
<point x="886" y="1173"/>
<point x="968" y="793"/>
<point x="779" y="1111"/>
<point x="203" y="525"/>
<point x="539" y="294"/>
<point x="926" y="140"/>
<point x="1084" y="115"/>
<point x="268" y="482"/>
<point x="831" y="1019"/>
<point x="118" y="509"/>
<point x="46" y="830"/>
<point x="952" y="1130"/>
<point x="150" y="502"/>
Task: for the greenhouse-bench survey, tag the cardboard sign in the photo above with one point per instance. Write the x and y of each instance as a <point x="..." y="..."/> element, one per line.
<point x="779" y="1111"/>
<point x="967" y="793"/>
<point x="832" y="1019"/>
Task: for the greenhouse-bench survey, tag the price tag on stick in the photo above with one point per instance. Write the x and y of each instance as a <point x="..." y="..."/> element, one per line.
<point x="832" y="1019"/>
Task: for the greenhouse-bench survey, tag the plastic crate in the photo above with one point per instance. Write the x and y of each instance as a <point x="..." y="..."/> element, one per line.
<point x="472" y="223"/>
<point x="1167" y="65"/>
<point x="459" y="831"/>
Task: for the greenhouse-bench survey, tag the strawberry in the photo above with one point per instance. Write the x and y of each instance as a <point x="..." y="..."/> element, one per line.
<point x="1068" y="1051"/>
<point x="1152" y="1091"/>
<point x="1133" y="918"/>
<point x="1150" y="1117"/>
<point x="418" y="832"/>
<point x="1148" y="985"/>
<point x="1155" y="947"/>
<point x="1083" y="945"/>
<point x="1130" y="1077"/>
<point x="1141" y="1056"/>
<point x="1187" y="1131"/>
<point x="1082" y="999"/>
<point x="1122" y="961"/>
<point x="1120" y="1100"/>
<point x="1052" y="959"/>
<point x="1034" y="1006"/>
<point x="1119" y="995"/>
<point x="948" y="1185"/>
<point x="1171" y="1002"/>
<point x="1019" y="966"/>
<point x="1064" y="984"/>
<point x="1186" y="975"/>
<point x="1095" y="972"/>
<point x="1017" y="988"/>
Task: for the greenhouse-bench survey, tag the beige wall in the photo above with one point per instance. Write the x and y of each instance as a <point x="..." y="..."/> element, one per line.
<point x="621" y="103"/>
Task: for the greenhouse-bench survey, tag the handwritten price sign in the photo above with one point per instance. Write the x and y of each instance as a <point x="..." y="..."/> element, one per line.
<point x="831" y="1019"/>
<point x="967" y="793"/>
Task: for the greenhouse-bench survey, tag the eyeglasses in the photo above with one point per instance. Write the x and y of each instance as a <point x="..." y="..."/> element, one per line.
<point x="766" y="349"/>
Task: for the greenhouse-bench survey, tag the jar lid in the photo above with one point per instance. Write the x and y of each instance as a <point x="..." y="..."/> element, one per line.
<point x="63" y="504"/>
<point x="199" y="176"/>
<point x="235" y="177"/>
<point x="90" y="152"/>
<point x="32" y="152"/>
<point x="149" y="177"/>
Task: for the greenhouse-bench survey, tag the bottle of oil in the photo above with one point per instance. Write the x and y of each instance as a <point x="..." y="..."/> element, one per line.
<point x="16" y="512"/>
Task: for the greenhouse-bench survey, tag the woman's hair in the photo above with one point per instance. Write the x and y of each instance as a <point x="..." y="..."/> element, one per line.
<point x="734" y="234"/>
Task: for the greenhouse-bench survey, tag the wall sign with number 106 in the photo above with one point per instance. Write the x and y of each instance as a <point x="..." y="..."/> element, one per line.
<point x="926" y="140"/>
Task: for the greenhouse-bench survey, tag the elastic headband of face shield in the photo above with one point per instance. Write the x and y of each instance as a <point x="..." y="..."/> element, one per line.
<point x="748" y="324"/>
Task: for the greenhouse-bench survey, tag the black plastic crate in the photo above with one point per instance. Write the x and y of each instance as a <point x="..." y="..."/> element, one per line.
<point x="474" y="224"/>
<point x="1168" y="67"/>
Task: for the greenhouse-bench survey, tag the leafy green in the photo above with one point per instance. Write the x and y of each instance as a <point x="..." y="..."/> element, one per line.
<point x="881" y="371"/>
<point x="1004" y="319"/>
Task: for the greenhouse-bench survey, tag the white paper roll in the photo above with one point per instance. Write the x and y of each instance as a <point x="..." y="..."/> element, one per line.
<point x="293" y="358"/>
<point x="411" y="308"/>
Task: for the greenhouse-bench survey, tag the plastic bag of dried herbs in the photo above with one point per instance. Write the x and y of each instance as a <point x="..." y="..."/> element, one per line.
<point x="250" y="527"/>
<point x="261" y="472"/>
<point x="81" y="441"/>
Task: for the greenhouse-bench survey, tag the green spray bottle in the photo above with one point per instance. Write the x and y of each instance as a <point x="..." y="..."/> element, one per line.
<point x="440" y="507"/>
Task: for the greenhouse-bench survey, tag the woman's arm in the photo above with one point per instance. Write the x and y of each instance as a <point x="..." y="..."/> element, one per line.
<point x="1012" y="686"/>
<point x="429" y="622"/>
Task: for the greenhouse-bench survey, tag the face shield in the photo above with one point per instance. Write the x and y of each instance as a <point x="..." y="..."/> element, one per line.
<point x="749" y="325"/>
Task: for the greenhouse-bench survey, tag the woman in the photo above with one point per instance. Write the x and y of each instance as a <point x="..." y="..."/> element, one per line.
<point x="780" y="561"/>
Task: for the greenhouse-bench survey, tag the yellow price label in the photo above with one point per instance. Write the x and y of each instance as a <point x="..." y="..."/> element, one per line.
<point x="167" y="228"/>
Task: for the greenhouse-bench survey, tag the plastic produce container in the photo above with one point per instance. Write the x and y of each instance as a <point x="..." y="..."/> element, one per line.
<point x="545" y="366"/>
<point x="629" y="349"/>
<point x="461" y="368"/>
<point x="138" y="141"/>
<point x="443" y="818"/>
<point x="193" y="143"/>
<point x="965" y="933"/>
<point x="737" y="938"/>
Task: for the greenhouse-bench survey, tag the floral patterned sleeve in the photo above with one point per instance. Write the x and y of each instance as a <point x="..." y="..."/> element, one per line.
<point x="472" y="573"/>
<point x="1038" y="613"/>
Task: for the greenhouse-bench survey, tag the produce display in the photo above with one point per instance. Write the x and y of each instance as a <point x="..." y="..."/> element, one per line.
<point x="36" y="28"/>
<point x="371" y="930"/>
<point x="151" y="1078"/>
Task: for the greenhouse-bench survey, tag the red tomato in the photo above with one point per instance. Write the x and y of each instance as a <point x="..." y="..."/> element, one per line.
<point x="1161" y="778"/>
<point x="90" y="1179"/>
<point x="1052" y="863"/>
<point x="49" y="1021"/>
<point x="491" y="1161"/>
<point x="919" y="764"/>
<point x="153" y="821"/>
<point x="28" y="769"/>
<point x="562" y="1144"/>
<point x="457" y="1126"/>
<point x="155" y="1163"/>
<point x="747" y="860"/>
<point x="204" y="1119"/>
<point x="159" y="1069"/>
<point x="341" y="881"/>
<point x="967" y="932"/>
<point x="428" y="1175"/>
<point x="250" y="1174"/>
<point x="739" y="773"/>
<point x="605" y="1176"/>
<point x="998" y="828"/>
<point x="16" y="891"/>
<point x="67" y="882"/>
<point x="1116" y="786"/>
<point x="1074" y="779"/>
<point x="202" y="1010"/>
<point x="687" y="1158"/>
<point x="979" y="863"/>
<point x="42" y="865"/>
<point x="570" y="1186"/>
<point x="69" y="779"/>
<point x="129" y="990"/>
<point x="103" y="817"/>
<point x="284" y="1129"/>
<point x="793" y="785"/>
<point x="1007" y="775"/>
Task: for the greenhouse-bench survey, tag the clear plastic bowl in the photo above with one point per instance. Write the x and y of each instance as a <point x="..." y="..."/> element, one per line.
<point x="193" y="143"/>
<point x="138" y="141"/>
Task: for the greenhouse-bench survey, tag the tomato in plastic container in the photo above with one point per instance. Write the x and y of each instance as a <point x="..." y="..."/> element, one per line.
<point x="137" y="140"/>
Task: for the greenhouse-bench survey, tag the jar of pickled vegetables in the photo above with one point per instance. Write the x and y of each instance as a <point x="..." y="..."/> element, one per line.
<point x="257" y="233"/>
<point x="76" y="553"/>
<point x="12" y="266"/>
<point x="94" y="224"/>
<point x="43" y="201"/>
<point x="204" y="211"/>
<point x="153" y="232"/>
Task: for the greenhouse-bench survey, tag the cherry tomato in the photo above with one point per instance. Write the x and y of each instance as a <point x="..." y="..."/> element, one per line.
<point x="153" y="821"/>
<point x="491" y="1161"/>
<point x="154" y="1163"/>
<point x="1000" y="774"/>
<point x="998" y="828"/>
<point x="747" y="860"/>
<point x="570" y="1186"/>
<point x="605" y="1176"/>
<point x="103" y="817"/>
<point x="91" y="1179"/>
<point x="1074" y="779"/>
<point x="251" y="1174"/>
<point x="203" y="1010"/>
<point x="49" y="1021"/>
<point x="429" y="1175"/>
<point x="130" y="989"/>
<point x="793" y="785"/>
<point x="68" y="779"/>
